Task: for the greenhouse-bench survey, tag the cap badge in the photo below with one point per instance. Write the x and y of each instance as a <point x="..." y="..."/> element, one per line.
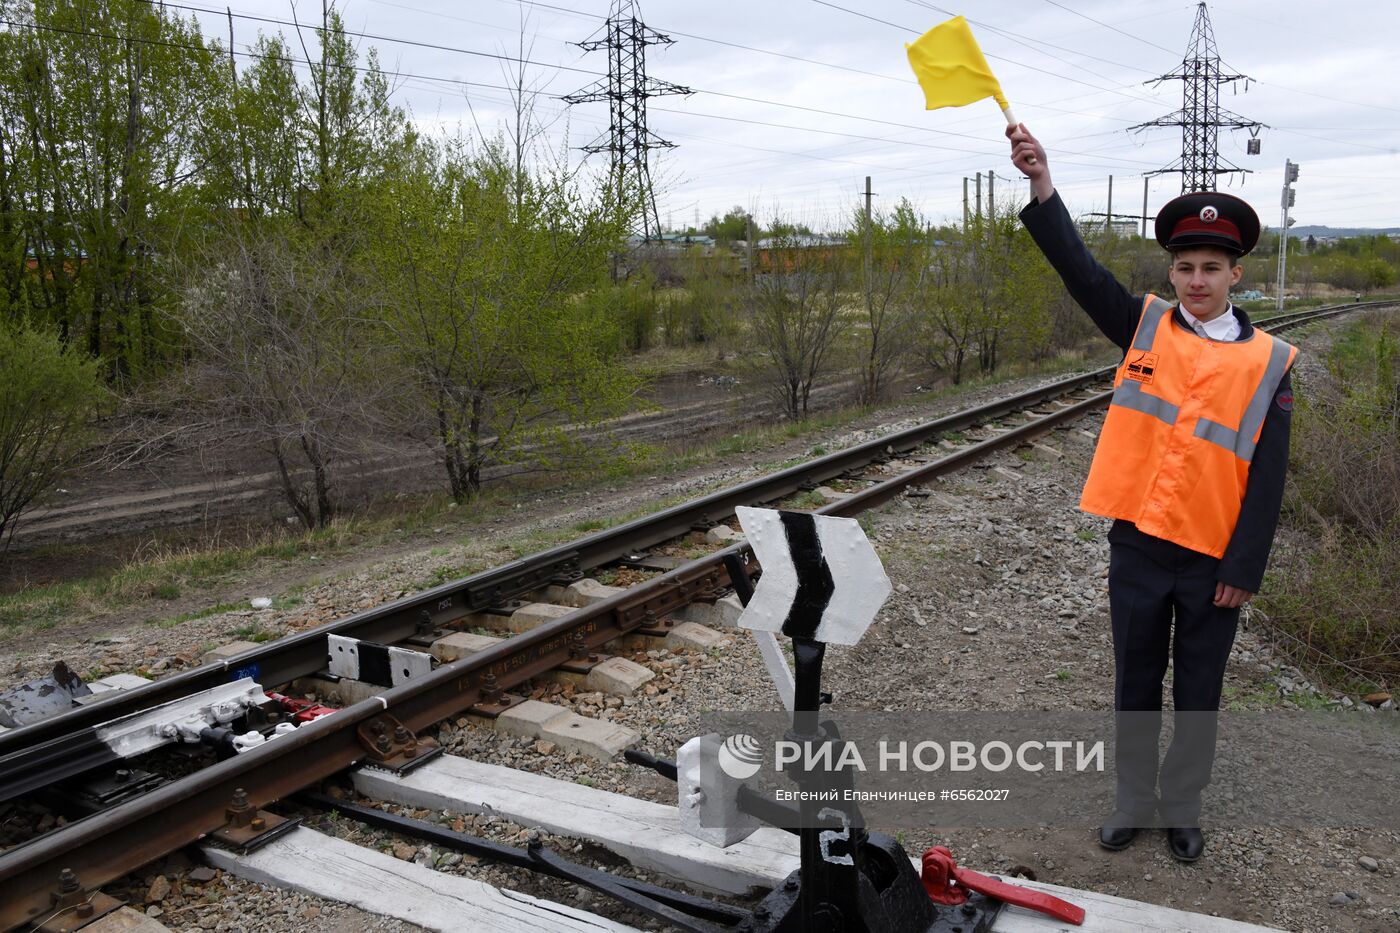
<point x="1209" y="215"/>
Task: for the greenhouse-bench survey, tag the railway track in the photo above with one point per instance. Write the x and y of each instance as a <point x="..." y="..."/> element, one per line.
<point x="66" y="865"/>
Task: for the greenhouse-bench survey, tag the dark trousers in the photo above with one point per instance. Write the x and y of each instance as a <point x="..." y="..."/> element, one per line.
<point x="1161" y="598"/>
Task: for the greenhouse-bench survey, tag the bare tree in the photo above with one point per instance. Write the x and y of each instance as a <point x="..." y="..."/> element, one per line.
<point x="896" y="248"/>
<point x="283" y="328"/>
<point x="795" y="316"/>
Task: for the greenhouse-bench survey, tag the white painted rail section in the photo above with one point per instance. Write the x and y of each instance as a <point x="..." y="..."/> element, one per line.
<point x="314" y="863"/>
<point x="649" y="835"/>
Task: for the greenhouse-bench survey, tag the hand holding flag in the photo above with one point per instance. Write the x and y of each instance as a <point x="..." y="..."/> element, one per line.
<point x="952" y="70"/>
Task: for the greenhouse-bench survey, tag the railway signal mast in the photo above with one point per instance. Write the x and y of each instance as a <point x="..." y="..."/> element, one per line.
<point x="626" y="89"/>
<point x="1290" y="175"/>
<point x="1201" y="117"/>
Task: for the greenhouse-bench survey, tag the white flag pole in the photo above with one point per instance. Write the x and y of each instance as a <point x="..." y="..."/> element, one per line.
<point x="1011" y="122"/>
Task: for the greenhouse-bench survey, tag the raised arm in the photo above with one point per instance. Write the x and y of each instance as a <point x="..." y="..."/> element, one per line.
<point x="1113" y="309"/>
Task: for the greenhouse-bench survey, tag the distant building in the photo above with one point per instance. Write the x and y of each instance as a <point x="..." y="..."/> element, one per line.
<point x="672" y="242"/>
<point x="799" y="241"/>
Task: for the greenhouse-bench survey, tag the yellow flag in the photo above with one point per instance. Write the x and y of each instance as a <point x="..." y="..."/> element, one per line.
<point x="950" y="67"/>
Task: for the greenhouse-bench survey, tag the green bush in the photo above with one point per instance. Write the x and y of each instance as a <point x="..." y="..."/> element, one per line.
<point x="47" y="395"/>
<point x="1339" y="606"/>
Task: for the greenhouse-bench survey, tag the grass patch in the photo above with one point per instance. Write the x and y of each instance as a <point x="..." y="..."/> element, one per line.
<point x="811" y="499"/>
<point x="1337" y="609"/>
<point x="184" y="617"/>
<point x="162" y="573"/>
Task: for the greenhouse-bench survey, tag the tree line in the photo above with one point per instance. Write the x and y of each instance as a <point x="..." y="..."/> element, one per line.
<point x="272" y="257"/>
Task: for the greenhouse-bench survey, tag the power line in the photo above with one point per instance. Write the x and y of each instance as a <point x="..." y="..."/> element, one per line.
<point x="258" y="56"/>
<point x="999" y="58"/>
<point x="288" y="59"/>
<point x="733" y="45"/>
<point x="365" y="35"/>
<point x="509" y="58"/>
<point x="880" y="139"/>
<point x="1110" y="26"/>
<point x="1023" y="39"/>
<point x="811" y="61"/>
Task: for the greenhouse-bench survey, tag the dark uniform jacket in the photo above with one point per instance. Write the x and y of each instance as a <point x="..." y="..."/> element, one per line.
<point x="1117" y="313"/>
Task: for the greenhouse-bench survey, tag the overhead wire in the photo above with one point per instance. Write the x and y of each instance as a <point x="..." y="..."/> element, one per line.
<point x="217" y="51"/>
<point x="1121" y="32"/>
<point x="515" y="59"/>
<point x="1031" y="42"/>
<point x="252" y="17"/>
<point x="1052" y="74"/>
<point x="724" y="42"/>
<point x="404" y="76"/>
<point x="812" y="61"/>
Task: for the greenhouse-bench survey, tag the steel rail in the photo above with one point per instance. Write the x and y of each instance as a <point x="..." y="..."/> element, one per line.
<point x="111" y="843"/>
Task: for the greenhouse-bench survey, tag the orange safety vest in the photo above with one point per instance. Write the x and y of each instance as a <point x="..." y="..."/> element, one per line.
<point x="1173" y="457"/>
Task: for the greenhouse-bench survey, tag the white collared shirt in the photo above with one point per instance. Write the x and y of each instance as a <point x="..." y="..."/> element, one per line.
<point x="1223" y="328"/>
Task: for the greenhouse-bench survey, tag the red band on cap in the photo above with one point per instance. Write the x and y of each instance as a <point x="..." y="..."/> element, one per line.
<point x="1193" y="224"/>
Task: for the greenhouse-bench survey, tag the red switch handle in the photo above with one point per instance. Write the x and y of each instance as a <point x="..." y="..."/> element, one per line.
<point x="946" y="883"/>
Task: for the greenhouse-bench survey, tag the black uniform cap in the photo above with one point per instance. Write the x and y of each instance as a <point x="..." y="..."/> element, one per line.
<point x="1208" y="218"/>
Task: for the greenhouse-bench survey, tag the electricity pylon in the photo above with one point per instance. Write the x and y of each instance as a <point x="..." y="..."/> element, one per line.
<point x="626" y="90"/>
<point x="1201" y="117"/>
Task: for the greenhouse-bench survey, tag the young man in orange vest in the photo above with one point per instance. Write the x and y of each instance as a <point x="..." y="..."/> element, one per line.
<point x="1190" y="465"/>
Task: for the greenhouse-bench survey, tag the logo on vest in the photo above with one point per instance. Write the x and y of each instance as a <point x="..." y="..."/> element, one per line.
<point x="1141" y="367"/>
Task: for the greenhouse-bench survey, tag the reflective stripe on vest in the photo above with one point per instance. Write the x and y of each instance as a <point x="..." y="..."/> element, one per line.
<point x="1241" y="442"/>
<point x="1186" y="413"/>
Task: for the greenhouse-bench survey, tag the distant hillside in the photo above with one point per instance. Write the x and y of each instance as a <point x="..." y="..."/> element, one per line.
<point x="1321" y="231"/>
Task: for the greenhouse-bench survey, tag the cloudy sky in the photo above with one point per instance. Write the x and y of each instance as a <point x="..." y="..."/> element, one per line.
<point x="796" y="101"/>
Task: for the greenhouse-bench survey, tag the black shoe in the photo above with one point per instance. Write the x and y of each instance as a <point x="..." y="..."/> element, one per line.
<point x="1117" y="832"/>
<point x="1186" y="844"/>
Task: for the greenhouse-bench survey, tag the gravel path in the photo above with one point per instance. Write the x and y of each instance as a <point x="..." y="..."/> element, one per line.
<point x="1000" y="604"/>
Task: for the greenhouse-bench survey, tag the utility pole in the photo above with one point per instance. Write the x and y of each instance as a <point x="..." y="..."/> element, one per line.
<point x="1108" y="218"/>
<point x="1201" y="119"/>
<point x="1290" y="175"/>
<point x="991" y="207"/>
<point x="979" y="195"/>
<point x="964" y="202"/>
<point x="869" y="258"/>
<point x="1144" y="205"/>
<point x="626" y="89"/>
<point x="748" y="244"/>
<point x="232" y="64"/>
